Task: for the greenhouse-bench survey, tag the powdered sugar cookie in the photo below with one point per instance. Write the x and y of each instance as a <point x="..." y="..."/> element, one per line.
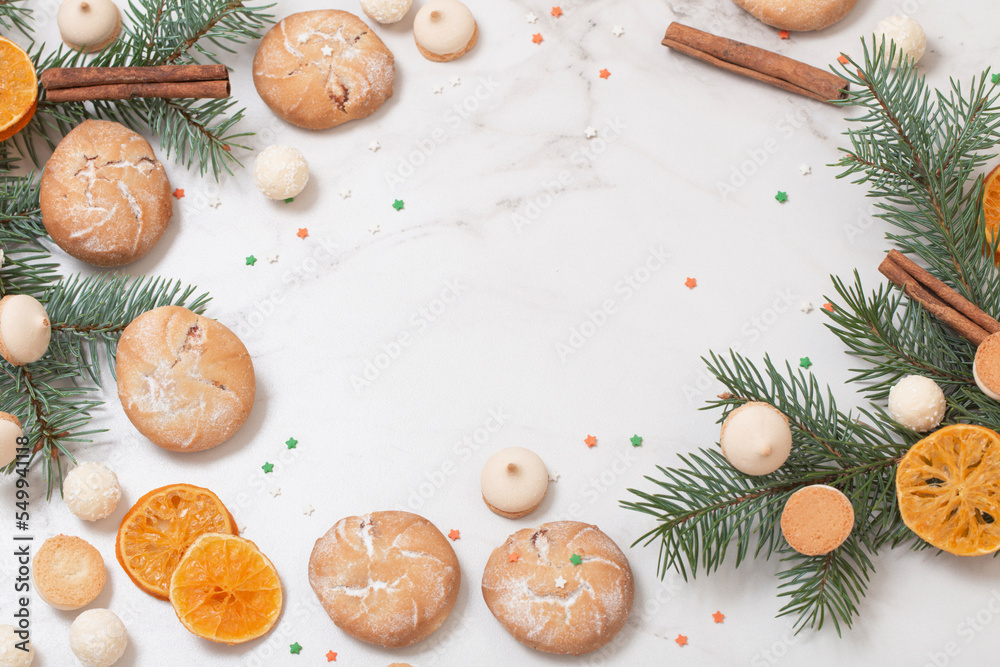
<point x="798" y="15"/>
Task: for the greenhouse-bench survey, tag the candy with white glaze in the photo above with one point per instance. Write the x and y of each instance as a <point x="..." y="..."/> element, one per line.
<point x="917" y="402"/>
<point x="911" y="42"/>
<point x="386" y="11"/>
<point x="756" y="438"/>
<point x="91" y="491"/>
<point x="10" y="431"/>
<point x="444" y="30"/>
<point x="24" y="329"/>
<point x="98" y="638"/>
<point x="89" y="25"/>
<point x="514" y="481"/>
<point x="10" y="655"/>
<point x="280" y="172"/>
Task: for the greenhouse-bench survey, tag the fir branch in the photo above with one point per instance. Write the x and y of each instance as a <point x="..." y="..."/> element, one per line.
<point x="14" y="15"/>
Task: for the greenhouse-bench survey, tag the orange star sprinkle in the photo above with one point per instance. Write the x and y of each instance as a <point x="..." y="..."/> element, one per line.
<point x="512" y="557"/>
<point x="605" y="74"/>
<point x="302" y="233"/>
<point x="784" y="34"/>
<point x="842" y="59"/>
<point x="557" y="11"/>
<point x="178" y="193"/>
<point x="331" y="656"/>
<point x="828" y="306"/>
<point x="454" y="535"/>
<point x="681" y="640"/>
<point x="690" y="283"/>
<point x="718" y="616"/>
<point x="590" y="440"/>
<point x="537" y="38"/>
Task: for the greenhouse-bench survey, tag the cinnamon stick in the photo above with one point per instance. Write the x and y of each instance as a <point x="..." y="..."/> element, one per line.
<point x="127" y="91"/>
<point x="756" y="63"/>
<point x="55" y="78"/>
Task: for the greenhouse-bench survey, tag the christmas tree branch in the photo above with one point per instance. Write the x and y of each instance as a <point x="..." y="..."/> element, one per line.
<point x="14" y="15"/>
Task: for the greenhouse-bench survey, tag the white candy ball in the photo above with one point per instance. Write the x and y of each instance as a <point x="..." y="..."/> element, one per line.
<point x="24" y="329"/>
<point x="756" y="438"/>
<point x="280" y="172"/>
<point x="10" y="431"/>
<point x="906" y="33"/>
<point x="386" y="11"/>
<point x="10" y="655"/>
<point x="91" y="491"/>
<point x="98" y="638"/>
<point x="917" y="402"/>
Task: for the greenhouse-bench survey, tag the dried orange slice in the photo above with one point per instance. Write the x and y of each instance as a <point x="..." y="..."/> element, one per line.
<point x="226" y="590"/>
<point x="948" y="487"/>
<point x="160" y="527"/>
<point x="18" y="89"/>
<point x="991" y="208"/>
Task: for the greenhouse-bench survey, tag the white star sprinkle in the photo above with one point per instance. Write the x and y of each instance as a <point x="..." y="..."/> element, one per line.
<point x="455" y="81"/>
<point x="376" y="229"/>
<point x="374" y="146"/>
<point x="590" y="132"/>
<point x="242" y="527"/>
<point x="327" y="51"/>
<point x="345" y="194"/>
<point x="805" y="307"/>
<point x="618" y="31"/>
<point x="214" y="202"/>
<point x="530" y="17"/>
<point x="438" y="89"/>
<point x="560" y="582"/>
<point x="274" y="491"/>
<point x="805" y="169"/>
<point x="308" y="510"/>
<point x="554" y="476"/>
<point x="272" y="258"/>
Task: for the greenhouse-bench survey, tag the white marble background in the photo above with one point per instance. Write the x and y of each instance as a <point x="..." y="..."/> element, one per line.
<point x="487" y="271"/>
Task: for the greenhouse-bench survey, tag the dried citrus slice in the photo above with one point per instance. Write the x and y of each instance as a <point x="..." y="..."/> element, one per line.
<point x="226" y="590"/>
<point x="991" y="208"/>
<point x="18" y="89"/>
<point x="948" y="487"/>
<point x="160" y="527"/>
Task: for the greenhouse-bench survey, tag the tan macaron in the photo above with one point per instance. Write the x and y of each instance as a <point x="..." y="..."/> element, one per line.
<point x="817" y="519"/>
<point x="69" y="573"/>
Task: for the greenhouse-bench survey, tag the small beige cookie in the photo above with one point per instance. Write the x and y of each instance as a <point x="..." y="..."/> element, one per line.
<point x="185" y="381"/>
<point x="546" y="601"/>
<point x="444" y="30"/>
<point x="798" y="15"/>
<point x="69" y="573"/>
<point x="387" y="578"/>
<point x="514" y="482"/>
<point x="88" y="25"/>
<point x="817" y="519"/>
<point x="105" y="198"/>
<point x="322" y="68"/>
<point x="986" y="366"/>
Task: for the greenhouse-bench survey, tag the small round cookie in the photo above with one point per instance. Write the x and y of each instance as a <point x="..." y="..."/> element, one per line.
<point x="386" y="11"/>
<point x="69" y="573"/>
<point x="105" y="198"/>
<point x="540" y="577"/>
<point x="444" y="30"/>
<point x="280" y="172"/>
<point x="817" y="519"/>
<point x="917" y="402"/>
<point x="10" y="431"/>
<point x="798" y="15"/>
<point x="25" y="330"/>
<point x="907" y="34"/>
<point x="756" y="438"/>
<point x="986" y="366"/>
<point x="514" y="481"/>
<point x="91" y="491"/>
<point x="387" y="578"/>
<point x="88" y="25"/>
<point x="98" y="638"/>
<point x="185" y="381"/>
<point x="322" y="68"/>
<point x="10" y="654"/>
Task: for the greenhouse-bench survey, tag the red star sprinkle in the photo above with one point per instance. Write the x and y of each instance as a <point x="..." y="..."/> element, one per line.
<point x="557" y="11"/>
<point x="512" y="558"/>
<point x="681" y="640"/>
<point x="178" y="193"/>
<point x="605" y="74"/>
<point x="590" y="440"/>
<point x="842" y="59"/>
<point x="690" y="283"/>
<point x="828" y="306"/>
<point x="718" y="616"/>
<point x="454" y="535"/>
<point x="784" y="34"/>
<point x="302" y="233"/>
<point x="331" y="656"/>
<point x="537" y="38"/>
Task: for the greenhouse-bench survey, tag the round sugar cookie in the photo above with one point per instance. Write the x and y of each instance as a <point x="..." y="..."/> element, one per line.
<point x="387" y="578"/>
<point x="817" y="519"/>
<point x="68" y="572"/>
<point x="541" y="577"/>
<point x="185" y="381"/>
<point x="798" y="15"/>
<point x="514" y="482"/>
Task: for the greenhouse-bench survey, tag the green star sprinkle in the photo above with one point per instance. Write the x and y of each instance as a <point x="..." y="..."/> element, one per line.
<point x="636" y="440"/>
<point x="295" y="648"/>
<point x="575" y="559"/>
<point x="289" y="201"/>
<point x="251" y="260"/>
<point x="995" y="79"/>
<point x="267" y="467"/>
<point x="398" y="204"/>
<point x="291" y="442"/>
<point x="805" y="363"/>
<point x="782" y="197"/>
